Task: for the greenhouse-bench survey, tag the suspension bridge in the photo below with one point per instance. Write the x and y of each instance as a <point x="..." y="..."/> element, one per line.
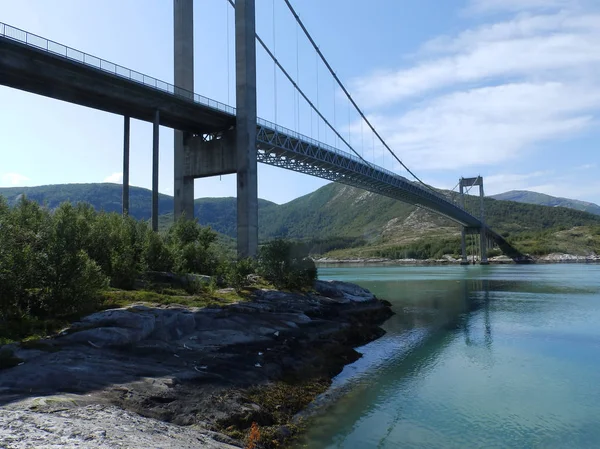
<point x="213" y="138"/>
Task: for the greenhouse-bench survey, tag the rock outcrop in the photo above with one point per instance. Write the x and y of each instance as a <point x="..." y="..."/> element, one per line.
<point x="177" y="365"/>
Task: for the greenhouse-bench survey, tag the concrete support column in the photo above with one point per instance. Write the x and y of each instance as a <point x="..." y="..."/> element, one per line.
<point x="125" y="199"/>
<point x="463" y="232"/>
<point x="482" y="234"/>
<point x="183" y="27"/>
<point x="463" y="246"/>
<point x="155" y="129"/>
<point x="247" y="182"/>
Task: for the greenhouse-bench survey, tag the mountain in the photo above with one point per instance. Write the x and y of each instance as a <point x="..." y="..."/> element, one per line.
<point x="104" y="196"/>
<point x="219" y="213"/>
<point x="344" y="215"/>
<point x="524" y="196"/>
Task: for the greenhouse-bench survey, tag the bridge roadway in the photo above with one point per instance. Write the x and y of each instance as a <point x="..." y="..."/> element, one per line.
<point x="34" y="64"/>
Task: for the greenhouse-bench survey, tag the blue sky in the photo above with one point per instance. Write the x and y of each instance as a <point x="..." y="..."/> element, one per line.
<point x="507" y="89"/>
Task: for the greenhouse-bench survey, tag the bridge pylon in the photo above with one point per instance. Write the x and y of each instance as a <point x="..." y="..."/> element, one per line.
<point x="183" y="67"/>
<point x="483" y="239"/>
<point x="224" y="151"/>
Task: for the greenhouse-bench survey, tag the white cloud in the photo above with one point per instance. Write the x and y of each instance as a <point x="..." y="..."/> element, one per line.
<point x="116" y="178"/>
<point x="551" y="48"/>
<point x="13" y="179"/>
<point x="484" y="6"/>
<point x="488" y="125"/>
<point x="503" y="182"/>
<point x="586" y="167"/>
<point x="492" y="93"/>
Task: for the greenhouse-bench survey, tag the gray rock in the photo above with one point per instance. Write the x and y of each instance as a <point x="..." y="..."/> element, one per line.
<point x="338" y="289"/>
<point x="105" y="336"/>
<point x="115" y="327"/>
<point x="169" y="363"/>
<point x="96" y="427"/>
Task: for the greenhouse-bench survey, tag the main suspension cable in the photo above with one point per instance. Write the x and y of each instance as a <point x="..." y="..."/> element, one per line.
<point x="274" y="65"/>
<point x="293" y="11"/>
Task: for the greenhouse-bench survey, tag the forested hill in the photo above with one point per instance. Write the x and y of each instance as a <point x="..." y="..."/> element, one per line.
<point x="104" y="196"/>
<point x="219" y="213"/>
<point x="334" y="210"/>
<point x="525" y="196"/>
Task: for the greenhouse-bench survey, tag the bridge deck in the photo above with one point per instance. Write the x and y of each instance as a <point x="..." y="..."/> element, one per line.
<point x="37" y="65"/>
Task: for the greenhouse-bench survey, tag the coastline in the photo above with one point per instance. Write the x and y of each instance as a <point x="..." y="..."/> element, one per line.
<point x="449" y="260"/>
<point x="214" y="371"/>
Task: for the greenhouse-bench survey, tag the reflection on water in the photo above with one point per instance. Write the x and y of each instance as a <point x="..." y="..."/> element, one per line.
<point x="499" y="356"/>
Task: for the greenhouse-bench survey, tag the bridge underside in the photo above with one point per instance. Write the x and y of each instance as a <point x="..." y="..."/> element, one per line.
<point x="101" y="85"/>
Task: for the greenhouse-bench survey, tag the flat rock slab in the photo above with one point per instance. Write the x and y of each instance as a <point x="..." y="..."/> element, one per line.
<point x="97" y="426"/>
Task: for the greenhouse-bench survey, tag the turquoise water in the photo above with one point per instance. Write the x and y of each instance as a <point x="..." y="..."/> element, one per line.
<point x="475" y="357"/>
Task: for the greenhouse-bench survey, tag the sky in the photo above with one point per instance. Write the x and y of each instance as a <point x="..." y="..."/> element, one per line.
<point x="505" y="89"/>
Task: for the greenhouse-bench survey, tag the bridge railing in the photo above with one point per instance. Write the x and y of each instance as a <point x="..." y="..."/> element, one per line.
<point x="41" y="43"/>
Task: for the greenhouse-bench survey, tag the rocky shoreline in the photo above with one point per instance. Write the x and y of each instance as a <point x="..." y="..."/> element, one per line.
<point x="176" y="377"/>
<point x="449" y="260"/>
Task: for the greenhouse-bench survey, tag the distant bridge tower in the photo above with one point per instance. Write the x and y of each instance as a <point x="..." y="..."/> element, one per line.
<point x="225" y="151"/>
<point x="468" y="183"/>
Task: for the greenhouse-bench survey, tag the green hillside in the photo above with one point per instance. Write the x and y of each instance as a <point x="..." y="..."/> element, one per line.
<point x="364" y="223"/>
<point x="524" y="196"/>
<point x="103" y="196"/>
<point x="219" y="213"/>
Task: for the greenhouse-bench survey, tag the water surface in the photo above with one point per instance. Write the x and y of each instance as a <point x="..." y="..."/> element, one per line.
<point x="475" y="357"/>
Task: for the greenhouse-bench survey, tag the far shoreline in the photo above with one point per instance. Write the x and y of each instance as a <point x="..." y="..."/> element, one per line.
<point x="448" y="260"/>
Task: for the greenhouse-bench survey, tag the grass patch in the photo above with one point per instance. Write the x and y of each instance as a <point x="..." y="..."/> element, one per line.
<point x="25" y="329"/>
<point x="123" y="298"/>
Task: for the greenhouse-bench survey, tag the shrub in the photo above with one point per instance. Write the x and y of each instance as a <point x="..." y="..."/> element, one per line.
<point x="158" y="256"/>
<point x="238" y="272"/>
<point x="54" y="263"/>
<point x="494" y="252"/>
<point x="24" y="239"/>
<point x="193" y="248"/>
<point x="71" y="278"/>
<point x="286" y="265"/>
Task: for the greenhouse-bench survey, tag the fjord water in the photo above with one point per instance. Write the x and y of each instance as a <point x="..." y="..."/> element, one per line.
<point x="475" y="357"/>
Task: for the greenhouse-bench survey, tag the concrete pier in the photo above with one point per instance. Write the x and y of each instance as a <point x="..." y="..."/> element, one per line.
<point x="463" y="246"/>
<point x="482" y="235"/>
<point x="247" y="183"/>
<point x="463" y="232"/>
<point x="183" y="26"/>
<point x="125" y="200"/>
<point x="155" y="129"/>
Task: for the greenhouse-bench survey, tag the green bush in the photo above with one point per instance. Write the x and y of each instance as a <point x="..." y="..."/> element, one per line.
<point x="237" y="275"/>
<point x="43" y="268"/>
<point x="286" y="265"/>
<point x="158" y="256"/>
<point x="193" y="248"/>
<point x="494" y="252"/>
<point x="23" y="256"/>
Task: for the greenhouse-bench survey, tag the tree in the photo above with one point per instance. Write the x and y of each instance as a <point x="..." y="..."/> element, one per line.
<point x="287" y="265"/>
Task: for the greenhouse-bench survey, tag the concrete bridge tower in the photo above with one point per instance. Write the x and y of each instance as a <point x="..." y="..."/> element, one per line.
<point x="229" y="150"/>
<point x="183" y="27"/>
<point x="468" y="183"/>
